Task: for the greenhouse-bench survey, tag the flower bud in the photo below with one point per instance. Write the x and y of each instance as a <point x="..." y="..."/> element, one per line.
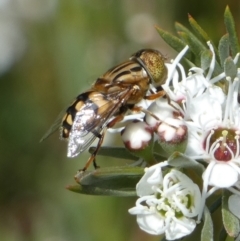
<point x="163" y="110"/>
<point x="172" y="138"/>
<point x="138" y="139"/>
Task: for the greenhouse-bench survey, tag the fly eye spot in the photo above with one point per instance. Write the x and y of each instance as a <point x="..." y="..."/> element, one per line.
<point x="154" y="63"/>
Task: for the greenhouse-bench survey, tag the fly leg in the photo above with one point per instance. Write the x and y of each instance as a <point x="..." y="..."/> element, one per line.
<point x="92" y="157"/>
<point x="140" y="109"/>
<point x="154" y="96"/>
<point x="99" y="144"/>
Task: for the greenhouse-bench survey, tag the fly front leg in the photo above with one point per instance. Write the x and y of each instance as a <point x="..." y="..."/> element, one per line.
<point x="154" y="96"/>
<point x="141" y="109"/>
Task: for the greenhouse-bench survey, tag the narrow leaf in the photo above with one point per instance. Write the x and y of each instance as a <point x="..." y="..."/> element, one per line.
<point x="230" y="222"/>
<point x="190" y="39"/>
<point x="223" y="48"/>
<point x="89" y="190"/>
<point x="200" y="33"/>
<point x="207" y="230"/>
<point x="173" y="41"/>
<point x="109" y="181"/>
<point x="206" y="57"/>
<point x="222" y="235"/>
<point x="230" y="26"/>
<point x="216" y="204"/>
<point x="116" y="152"/>
<point x="230" y="68"/>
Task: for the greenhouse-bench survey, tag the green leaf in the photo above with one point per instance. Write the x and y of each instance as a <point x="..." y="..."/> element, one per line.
<point x="113" y="181"/>
<point x="223" y="235"/>
<point x="190" y="39"/>
<point x="179" y="160"/>
<point x="230" y="26"/>
<point x="173" y="41"/>
<point x="207" y="230"/>
<point x="230" y="222"/>
<point x="206" y="58"/>
<point x="200" y="33"/>
<point x="88" y="190"/>
<point x="117" y="152"/>
<point x="223" y="48"/>
<point x="216" y="204"/>
<point x="230" y="68"/>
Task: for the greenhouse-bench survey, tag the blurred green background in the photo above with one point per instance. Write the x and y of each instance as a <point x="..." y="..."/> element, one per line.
<point x="50" y="51"/>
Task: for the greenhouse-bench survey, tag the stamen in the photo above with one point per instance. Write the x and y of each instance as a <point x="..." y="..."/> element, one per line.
<point x="183" y="74"/>
<point x="176" y="80"/>
<point x="234" y="191"/>
<point x="235" y="60"/>
<point x="224" y="136"/>
<point x="217" y="78"/>
<point x="208" y="140"/>
<point x="184" y="105"/>
<point x="173" y="188"/>
<point x="237" y="146"/>
<point x="235" y="110"/>
<point x="211" y="191"/>
<point x="231" y="152"/>
<point x="228" y="102"/>
<point x="175" y="62"/>
<point x="143" y="199"/>
<point x="212" y="64"/>
<point x="214" y="148"/>
<point x="205" y="186"/>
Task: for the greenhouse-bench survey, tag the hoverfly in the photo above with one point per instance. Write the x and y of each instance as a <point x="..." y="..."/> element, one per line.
<point x="107" y="101"/>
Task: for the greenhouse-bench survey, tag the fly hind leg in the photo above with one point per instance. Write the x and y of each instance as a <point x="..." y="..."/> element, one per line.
<point x="92" y="158"/>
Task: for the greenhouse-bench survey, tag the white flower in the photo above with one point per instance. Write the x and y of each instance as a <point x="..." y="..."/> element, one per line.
<point x="213" y="121"/>
<point x="207" y="118"/>
<point x="166" y="204"/>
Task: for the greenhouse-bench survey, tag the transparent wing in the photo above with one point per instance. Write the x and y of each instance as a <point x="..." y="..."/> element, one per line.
<point x="86" y="117"/>
<point x="82" y="135"/>
<point x="92" y="119"/>
<point x="55" y="126"/>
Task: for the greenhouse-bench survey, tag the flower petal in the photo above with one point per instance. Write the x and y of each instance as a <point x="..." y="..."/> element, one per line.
<point x="153" y="175"/>
<point x="205" y="111"/>
<point x="180" y="229"/>
<point x="222" y="175"/>
<point x="151" y="223"/>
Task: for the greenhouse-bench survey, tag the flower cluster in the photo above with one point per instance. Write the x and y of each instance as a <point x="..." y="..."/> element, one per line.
<point x="201" y="121"/>
<point x="187" y="142"/>
<point x="170" y="203"/>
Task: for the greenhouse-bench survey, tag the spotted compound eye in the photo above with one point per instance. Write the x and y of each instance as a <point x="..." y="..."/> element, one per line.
<point x="154" y="64"/>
